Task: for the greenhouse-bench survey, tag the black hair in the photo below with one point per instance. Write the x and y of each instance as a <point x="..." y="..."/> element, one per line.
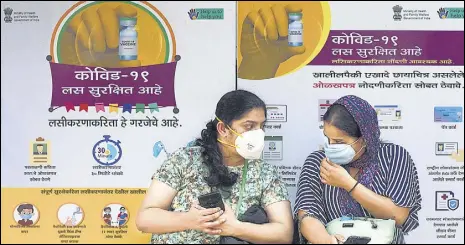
<point x="339" y="117"/>
<point x="232" y="106"/>
<point x="107" y="208"/>
<point x="25" y="206"/>
<point x="122" y="208"/>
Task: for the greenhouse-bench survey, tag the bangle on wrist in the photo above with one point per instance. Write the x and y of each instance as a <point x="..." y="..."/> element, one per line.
<point x="353" y="188"/>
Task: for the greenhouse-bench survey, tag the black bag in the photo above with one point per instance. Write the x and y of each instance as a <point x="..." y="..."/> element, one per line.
<point x="255" y="215"/>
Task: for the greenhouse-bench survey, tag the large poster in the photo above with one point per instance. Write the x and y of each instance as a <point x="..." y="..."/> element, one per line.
<point x="95" y="95"/>
<point x="405" y="58"/>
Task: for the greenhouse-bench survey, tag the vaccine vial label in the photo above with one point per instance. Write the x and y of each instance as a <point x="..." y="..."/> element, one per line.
<point x="128" y="40"/>
<point x="295" y="30"/>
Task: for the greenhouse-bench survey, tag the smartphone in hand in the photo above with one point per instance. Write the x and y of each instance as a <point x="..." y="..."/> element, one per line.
<point x="357" y="240"/>
<point x="211" y="200"/>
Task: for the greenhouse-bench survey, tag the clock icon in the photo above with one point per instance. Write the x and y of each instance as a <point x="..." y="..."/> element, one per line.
<point x="107" y="152"/>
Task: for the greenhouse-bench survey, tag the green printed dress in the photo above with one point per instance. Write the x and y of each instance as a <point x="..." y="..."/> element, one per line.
<point x="185" y="172"/>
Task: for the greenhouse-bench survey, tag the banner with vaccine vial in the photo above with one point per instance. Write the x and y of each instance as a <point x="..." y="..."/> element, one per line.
<point x="97" y="94"/>
<point x="405" y="58"/>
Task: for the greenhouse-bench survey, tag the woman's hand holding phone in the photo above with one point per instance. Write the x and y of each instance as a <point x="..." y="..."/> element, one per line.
<point x="203" y="220"/>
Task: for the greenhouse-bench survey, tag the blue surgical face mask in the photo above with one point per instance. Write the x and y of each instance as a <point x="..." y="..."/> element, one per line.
<point x="340" y="154"/>
<point x="26" y="216"/>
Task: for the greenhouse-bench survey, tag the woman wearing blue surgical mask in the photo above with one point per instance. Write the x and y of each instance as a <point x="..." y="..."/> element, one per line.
<point x="226" y="159"/>
<point x="356" y="175"/>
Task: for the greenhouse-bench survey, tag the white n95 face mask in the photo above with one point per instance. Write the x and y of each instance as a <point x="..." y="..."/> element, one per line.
<point x="250" y="144"/>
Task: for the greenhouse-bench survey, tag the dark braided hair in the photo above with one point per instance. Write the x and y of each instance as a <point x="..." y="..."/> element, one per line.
<point x="232" y="106"/>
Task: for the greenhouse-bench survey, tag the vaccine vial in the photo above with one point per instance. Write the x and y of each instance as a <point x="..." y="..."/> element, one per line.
<point x="295" y="31"/>
<point x="127" y="39"/>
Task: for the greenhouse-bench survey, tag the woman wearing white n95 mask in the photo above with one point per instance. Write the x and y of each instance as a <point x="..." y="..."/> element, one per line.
<point x="226" y="159"/>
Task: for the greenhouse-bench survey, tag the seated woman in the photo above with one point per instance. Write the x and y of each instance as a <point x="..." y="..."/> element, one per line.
<point x="356" y="175"/>
<point x="227" y="153"/>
